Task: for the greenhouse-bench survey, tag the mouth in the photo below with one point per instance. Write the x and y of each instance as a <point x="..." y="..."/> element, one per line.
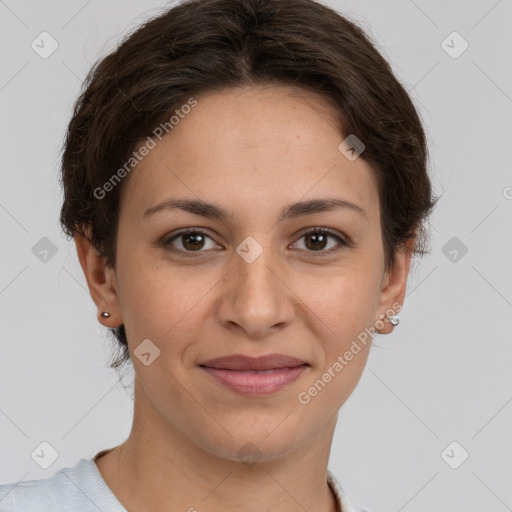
<point x="253" y="376"/>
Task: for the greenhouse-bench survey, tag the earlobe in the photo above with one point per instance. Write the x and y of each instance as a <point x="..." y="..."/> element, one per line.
<point x="393" y="291"/>
<point x="100" y="281"/>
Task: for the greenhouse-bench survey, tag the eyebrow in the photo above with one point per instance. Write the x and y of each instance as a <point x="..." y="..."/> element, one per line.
<point x="209" y="210"/>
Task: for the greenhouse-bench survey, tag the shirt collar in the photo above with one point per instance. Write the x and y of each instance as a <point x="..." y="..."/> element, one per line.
<point x="343" y="503"/>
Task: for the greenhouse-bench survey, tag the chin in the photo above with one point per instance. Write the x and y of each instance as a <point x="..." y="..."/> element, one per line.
<point x="249" y="444"/>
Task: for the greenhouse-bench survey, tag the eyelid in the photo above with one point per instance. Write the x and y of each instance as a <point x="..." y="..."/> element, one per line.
<point x="328" y="231"/>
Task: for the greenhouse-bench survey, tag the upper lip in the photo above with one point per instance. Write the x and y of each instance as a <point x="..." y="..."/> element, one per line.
<point x="242" y="362"/>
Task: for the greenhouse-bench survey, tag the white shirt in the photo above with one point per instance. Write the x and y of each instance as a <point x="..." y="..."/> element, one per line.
<point x="81" y="488"/>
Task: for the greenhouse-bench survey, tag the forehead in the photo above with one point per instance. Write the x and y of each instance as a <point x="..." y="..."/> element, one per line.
<point x="253" y="146"/>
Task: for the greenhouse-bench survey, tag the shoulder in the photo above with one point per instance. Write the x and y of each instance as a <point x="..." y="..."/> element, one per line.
<point x="346" y="504"/>
<point x="79" y="488"/>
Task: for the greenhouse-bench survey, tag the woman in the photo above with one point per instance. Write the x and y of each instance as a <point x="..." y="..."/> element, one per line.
<point x="246" y="184"/>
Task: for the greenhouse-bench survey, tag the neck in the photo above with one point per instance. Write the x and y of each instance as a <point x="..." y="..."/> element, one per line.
<point x="159" y="468"/>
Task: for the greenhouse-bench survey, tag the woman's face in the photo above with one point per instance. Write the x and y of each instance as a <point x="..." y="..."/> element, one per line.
<point x="260" y="280"/>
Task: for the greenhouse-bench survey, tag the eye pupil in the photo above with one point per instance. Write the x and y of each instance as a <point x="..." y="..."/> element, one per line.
<point x="317" y="238"/>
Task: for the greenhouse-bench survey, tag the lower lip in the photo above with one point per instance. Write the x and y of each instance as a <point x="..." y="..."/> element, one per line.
<point x="256" y="383"/>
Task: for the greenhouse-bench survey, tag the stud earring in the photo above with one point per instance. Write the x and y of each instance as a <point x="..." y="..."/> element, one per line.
<point x="105" y="314"/>
<point x="394" y="320"/>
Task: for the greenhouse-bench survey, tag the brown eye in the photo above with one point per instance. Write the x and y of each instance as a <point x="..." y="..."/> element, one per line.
<point x="189" y="241"/>
<point x="317" y="240"/>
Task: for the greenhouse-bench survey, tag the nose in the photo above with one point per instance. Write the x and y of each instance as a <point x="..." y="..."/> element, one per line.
<point x="255" y="298"/>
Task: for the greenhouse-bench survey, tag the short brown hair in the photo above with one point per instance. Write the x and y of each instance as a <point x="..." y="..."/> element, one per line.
<point x="199" y="46"/>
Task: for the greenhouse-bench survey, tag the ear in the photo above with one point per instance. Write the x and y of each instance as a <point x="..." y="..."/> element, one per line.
<point x="101" y="280"/>
<point x="394" y="284"/>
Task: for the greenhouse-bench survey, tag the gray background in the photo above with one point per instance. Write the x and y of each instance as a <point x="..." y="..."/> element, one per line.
<point x="442" y="376"/>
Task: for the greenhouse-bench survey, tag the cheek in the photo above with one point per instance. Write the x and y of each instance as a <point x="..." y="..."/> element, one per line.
<point x="343" y="300"/>
<point x="341" y="315"/>
<point x="161" y="303"/>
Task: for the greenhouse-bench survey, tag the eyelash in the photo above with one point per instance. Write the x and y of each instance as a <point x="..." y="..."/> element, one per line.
<point x="314" y="254"/>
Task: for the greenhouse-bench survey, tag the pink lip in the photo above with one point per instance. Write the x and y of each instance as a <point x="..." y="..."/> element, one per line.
<point x="244" y="374"/>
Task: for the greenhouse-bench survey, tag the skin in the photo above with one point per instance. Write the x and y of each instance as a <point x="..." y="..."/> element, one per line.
<point x="251" y="150"/>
